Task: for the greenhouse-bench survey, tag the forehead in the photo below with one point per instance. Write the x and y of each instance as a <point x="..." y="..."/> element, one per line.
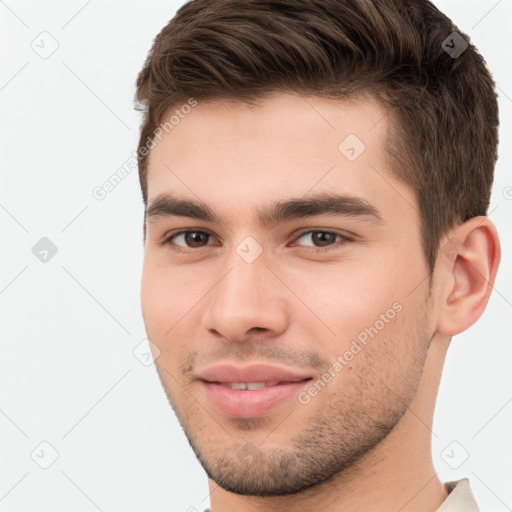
<point x="230" y="153"/>
<point x="277" y="122"/>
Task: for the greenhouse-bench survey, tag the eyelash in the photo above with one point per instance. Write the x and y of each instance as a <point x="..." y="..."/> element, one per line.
<point x="335" y="245"/>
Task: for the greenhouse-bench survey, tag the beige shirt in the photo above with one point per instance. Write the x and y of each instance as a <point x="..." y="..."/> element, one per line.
<point x="460" y="498"/>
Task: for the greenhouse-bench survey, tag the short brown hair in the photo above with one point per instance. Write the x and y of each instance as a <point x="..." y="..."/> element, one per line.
<point x="443" y="134"/>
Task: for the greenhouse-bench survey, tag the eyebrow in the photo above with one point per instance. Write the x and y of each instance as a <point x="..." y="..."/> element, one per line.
<point x="169" y="205"/>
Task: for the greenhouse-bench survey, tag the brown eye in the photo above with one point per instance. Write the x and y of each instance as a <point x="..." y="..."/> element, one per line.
<point x="195" y="238"/>
<point x="321" y="238"/>
<point x="188" y="240"/>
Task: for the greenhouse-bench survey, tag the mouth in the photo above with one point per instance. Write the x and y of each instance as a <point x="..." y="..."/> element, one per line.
<point x="251" y="391"/>
<point x="253" y="385"/>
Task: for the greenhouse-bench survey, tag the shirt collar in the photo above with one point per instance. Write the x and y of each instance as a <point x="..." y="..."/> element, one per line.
<point x="460" y="499"/>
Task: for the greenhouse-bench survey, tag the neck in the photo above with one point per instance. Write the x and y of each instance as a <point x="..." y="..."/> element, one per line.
<point x="398" y="474"/>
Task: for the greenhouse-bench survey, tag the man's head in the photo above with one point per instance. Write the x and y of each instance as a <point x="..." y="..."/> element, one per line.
<point x="342" y="119"/>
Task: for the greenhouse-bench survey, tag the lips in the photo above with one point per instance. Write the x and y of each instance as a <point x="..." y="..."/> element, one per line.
<point x="248" y="385"/>
<point x="227" y="373"/>
<point x="251" y="391"/>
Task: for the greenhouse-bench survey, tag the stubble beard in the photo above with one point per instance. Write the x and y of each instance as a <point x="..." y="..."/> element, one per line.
<point x="346" y="425"/>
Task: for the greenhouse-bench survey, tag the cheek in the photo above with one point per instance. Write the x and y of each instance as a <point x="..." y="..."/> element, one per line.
<point x="167" y="301"/>
<point x="151" y="298"/>
<point x="347" y="298"/>
<point x="362" y="304"/>
<point x="165" y="297"/>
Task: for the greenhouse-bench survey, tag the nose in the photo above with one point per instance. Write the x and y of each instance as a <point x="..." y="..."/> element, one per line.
<point x="248" y="298"/>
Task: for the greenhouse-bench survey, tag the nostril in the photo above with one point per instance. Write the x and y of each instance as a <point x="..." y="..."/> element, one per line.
<point x="258" y="329"/>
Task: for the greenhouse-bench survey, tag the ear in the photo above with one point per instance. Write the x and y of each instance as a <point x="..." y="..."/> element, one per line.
<point x="468" y="258"/>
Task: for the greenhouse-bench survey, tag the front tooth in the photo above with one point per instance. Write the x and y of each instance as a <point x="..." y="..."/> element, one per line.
<point x="255" y="385"/>
<point x="249" y="385"/>
<point x="238" y="385"/>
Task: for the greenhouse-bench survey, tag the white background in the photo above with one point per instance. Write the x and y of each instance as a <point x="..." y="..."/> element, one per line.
<point x="68" y="375"/>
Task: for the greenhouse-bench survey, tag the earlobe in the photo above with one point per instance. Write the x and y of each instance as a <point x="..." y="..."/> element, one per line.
<point x="469" y="258"/>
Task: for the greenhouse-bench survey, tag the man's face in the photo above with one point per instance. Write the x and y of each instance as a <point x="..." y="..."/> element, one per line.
<point x="279" y="299"/>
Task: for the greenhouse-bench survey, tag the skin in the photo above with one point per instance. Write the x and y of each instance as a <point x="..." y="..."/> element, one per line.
<point x="364" y="441"/>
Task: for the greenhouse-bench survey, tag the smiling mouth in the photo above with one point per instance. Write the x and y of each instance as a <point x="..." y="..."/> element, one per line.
<point x="251" y="399"/>
<point x="254" y="385"/>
